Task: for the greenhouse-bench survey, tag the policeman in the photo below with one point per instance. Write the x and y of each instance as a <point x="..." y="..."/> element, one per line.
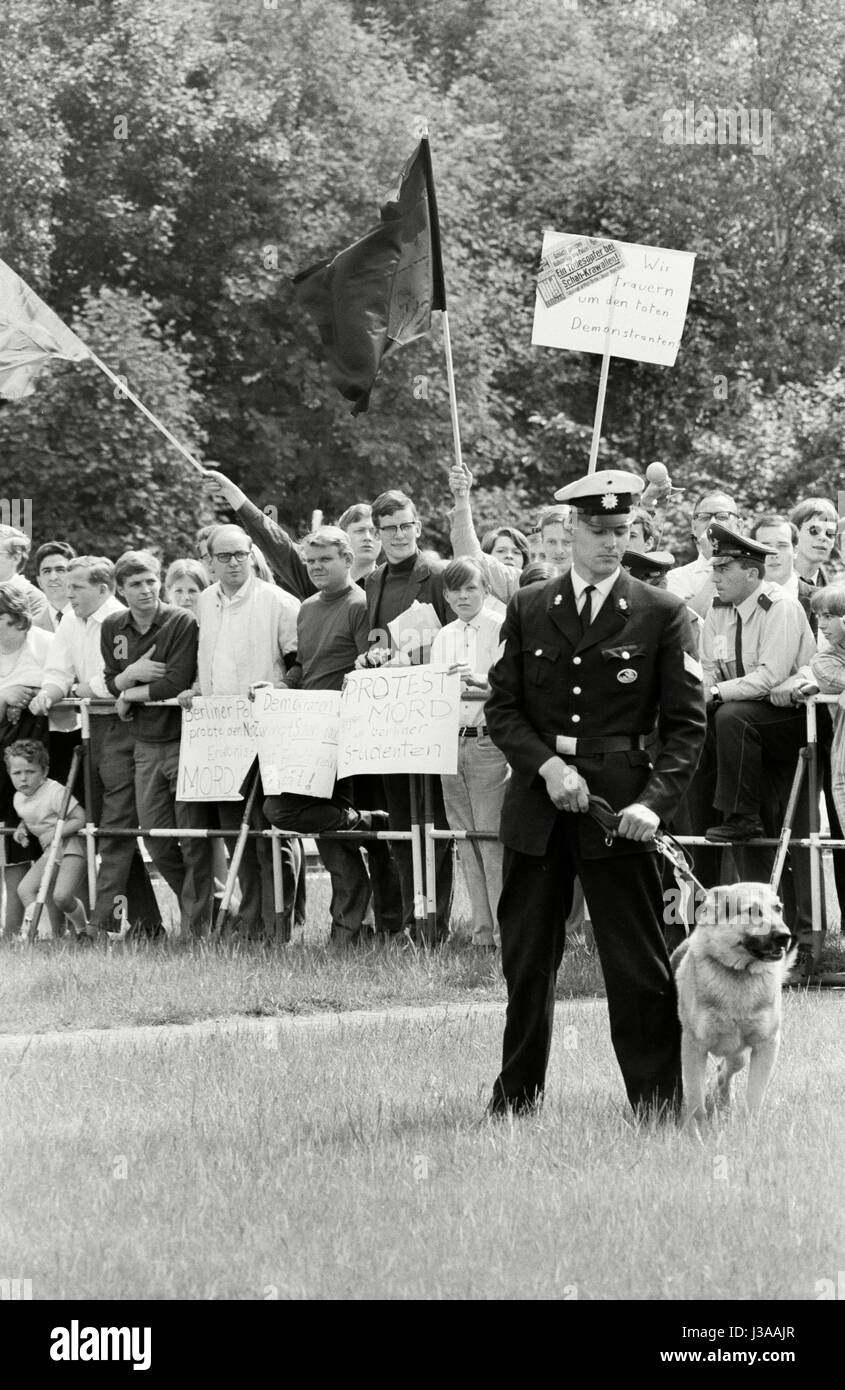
<point x="755" y="636"/>
<point x="591" y="659"/>
<point x="651" y="566"/>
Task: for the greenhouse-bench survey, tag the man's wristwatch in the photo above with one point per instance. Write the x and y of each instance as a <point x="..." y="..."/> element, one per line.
<point x="714" y="695"/>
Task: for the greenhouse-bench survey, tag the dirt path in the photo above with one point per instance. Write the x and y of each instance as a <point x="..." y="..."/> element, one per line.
<point x="16" y="1044"/>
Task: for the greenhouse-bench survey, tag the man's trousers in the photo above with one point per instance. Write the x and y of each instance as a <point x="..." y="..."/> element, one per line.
<point x="122" y="877"/>
<point x="351" y="911"/>
<point x="625" y="900"/>
<point x="185" y="864"/>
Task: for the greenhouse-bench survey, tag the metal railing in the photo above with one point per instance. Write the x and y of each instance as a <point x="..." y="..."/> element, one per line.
<point x="423" y="834"/>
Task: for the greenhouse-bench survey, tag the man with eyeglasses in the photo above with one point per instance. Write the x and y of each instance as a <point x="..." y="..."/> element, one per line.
<point x="693" y="583"/>
<point x="284" y="556"/>
<point x="247" y="637"/>
<point x="816" y="521"/>
<point x="405" y="578"/>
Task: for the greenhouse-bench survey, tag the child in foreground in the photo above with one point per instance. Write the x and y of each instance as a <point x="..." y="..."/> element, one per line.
<point x="38" y="801"/>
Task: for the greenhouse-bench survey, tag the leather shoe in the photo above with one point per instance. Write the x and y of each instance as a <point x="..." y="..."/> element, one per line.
<point x="735" y="828"/>
<point x="372" y="820"/>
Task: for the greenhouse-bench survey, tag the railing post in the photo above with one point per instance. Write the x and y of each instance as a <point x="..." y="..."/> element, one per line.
<point x="88" y="784"/>
<point x="816" y="888"/>
<point x="430" y="863"/>
<point x="420" y="899"/>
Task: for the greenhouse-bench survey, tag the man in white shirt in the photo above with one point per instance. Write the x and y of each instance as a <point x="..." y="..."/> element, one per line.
<point x="51" y="565"/>
<point x="693" y="583"/>
<point x="779" y="536"/>
<point x="247" y="637"/>
<point x="74" y="666"/>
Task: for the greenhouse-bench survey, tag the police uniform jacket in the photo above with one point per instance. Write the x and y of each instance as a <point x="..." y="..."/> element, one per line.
<point x="636" y="665"/>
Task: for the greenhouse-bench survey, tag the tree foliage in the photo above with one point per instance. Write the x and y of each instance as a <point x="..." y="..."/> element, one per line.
<point x="168" y="168"/>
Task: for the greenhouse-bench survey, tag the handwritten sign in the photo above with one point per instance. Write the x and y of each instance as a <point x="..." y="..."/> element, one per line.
<point x="297" y="740"/>
<point x="639" y="313"/>
<point x="399" y="719"/>
<point x="217" y="747"/>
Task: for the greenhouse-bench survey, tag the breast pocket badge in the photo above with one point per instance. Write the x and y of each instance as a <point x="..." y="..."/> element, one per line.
<point x="627" y="676"/>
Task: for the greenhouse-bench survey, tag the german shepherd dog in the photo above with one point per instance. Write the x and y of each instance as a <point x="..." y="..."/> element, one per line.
<point x="729" y="974"/>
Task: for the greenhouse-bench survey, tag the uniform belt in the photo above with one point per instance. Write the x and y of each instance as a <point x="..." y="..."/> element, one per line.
<point x="611" y="743"/>
<point x="472" y="730"/>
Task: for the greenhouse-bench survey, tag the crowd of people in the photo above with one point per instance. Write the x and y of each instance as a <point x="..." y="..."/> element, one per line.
<point x="254" y="606"/>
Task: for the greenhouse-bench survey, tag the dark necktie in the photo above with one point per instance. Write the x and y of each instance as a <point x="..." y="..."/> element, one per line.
<point x="740" y="669"/>
<point x="586" y="613"/>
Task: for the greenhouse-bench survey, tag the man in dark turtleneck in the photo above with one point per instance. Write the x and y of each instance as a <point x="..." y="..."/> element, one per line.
<point x="393" y="587"/>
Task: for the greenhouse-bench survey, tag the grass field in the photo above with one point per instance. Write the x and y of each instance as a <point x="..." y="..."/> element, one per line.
<point x="52" y="986"/>
<point x="354" y="1164"/>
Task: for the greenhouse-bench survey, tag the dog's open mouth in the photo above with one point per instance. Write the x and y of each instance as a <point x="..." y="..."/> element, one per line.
<point x="766" y="948"/>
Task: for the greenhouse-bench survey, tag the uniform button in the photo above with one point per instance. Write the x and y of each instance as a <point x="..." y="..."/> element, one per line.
<point x="576" y="661"/>
<point x="626" y="656"/>
<point x="576" y="690"/>
<point x="539" y="651"/>
<point x="576" y="719"/>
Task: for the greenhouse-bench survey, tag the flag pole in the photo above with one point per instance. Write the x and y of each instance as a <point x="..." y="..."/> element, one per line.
<point x="594" y="446"/>
<point x="605" y="368"/>
<point x="144" y="411"/>
<point x="437" y="261"/>
<point x="450" y="377"/>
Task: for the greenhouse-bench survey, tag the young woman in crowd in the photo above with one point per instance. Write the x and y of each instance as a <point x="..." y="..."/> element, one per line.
<point x="184" y="582"/>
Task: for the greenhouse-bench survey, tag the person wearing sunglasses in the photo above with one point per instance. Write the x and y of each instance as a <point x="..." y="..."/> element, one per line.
<point x="694" y="582"/>
<point x="817" y="523"/>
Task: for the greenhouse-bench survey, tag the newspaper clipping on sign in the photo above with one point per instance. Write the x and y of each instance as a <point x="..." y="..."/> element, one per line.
<point x="571" y="267"/>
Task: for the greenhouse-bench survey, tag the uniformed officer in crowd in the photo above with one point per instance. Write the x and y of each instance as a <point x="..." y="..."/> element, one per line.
<point x="755" y="636"/>
<point x="592" y="659"/>
<point x="651" y="566"/>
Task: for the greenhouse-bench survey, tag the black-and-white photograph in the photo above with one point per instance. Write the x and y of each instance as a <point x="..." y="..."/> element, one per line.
<point x="422" y="665"/>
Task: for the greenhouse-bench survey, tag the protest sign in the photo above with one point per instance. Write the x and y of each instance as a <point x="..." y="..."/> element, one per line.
<point x="415" y="629"/>
<point x="637" y="313"/>
<point x="217" y="748"/>
<point x="297" y="732"/>
<point x="399" y="720"/>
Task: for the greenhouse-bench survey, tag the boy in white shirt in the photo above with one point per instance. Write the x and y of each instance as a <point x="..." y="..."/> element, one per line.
<point x="473" y="796"/>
